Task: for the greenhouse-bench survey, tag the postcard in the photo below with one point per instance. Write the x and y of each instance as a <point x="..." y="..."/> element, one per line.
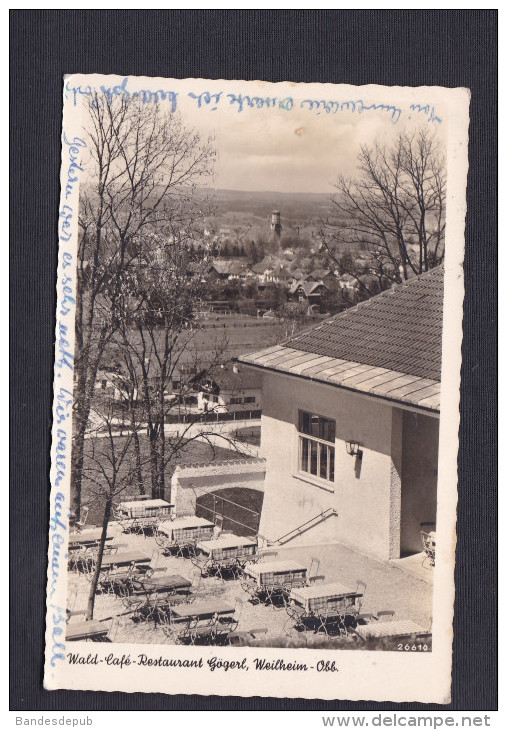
<point x="256" y="389"/>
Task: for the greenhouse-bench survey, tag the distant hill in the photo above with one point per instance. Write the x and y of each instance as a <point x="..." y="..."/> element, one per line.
<point x="243" y="209"/>
<point x="261" y="204"/>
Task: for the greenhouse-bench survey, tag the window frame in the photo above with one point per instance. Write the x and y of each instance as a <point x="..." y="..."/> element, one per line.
<point x="321" y="446"/>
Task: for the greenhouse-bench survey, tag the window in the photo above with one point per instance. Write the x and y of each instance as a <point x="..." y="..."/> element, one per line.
<point x="235" y="401"/>
<point x="316" y="445"/>
<point x="249" y="399"/>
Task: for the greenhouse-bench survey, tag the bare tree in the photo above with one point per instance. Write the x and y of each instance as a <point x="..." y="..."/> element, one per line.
<point x="143" y="169"/>
<point x="109" y="467"/>
<point x="393" y="213"/>
<point x="157" y="341"/>
<point x="291" y="318"/>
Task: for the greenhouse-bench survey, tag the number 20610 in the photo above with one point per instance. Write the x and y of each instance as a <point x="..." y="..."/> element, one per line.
<point x="412" y="647"/>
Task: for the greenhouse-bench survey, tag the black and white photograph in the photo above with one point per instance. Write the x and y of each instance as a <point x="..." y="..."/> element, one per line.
<point x="256" y="386"/>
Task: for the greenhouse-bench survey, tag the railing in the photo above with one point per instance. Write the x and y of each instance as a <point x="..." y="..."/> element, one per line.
<point x="218" y="517"/>
<point x="305" y="526"/>
<point x="211" y="417"/>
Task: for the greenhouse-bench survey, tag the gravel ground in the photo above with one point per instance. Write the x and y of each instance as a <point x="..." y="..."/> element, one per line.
<point x="388" y="587"/>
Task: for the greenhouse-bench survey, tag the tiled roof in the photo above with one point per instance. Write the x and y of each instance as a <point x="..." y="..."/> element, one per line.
<point x="245" y="379"/>
<point x="400" y="329"/>
<point x="228" y="267"/>
<point x="308" y="287"/>
<point x="389" y="346"/>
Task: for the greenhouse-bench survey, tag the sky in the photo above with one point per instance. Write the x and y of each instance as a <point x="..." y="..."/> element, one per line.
<point x="272" y="150"/>
<point x="297" y="151"/>
<point x="289" y="153"/>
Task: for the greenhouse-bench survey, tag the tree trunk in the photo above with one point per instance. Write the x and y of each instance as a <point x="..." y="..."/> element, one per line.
<point x="139" y="469"/>
<point x="137" y="448"/>
<point x="96" y="574"/>
<point x="77" y="472"/>
<point x="78" y="444"/>
<point x="154" y="463"/>
<point x="83" y="390"/>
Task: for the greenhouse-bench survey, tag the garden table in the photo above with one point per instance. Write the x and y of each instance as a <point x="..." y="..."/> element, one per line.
<point x="125" y="558"/>
<point x="164" y="584"/>
<point x="228" y="546"/>
<point x="390" y="629"/>
<point x="84" y="630"/>
<point x="144" y="508"/>
<point x="186" y="528"/>
<point x="274" y="580"/>
<point x="87" y="537"/>
<point x="204" y="610"/>
<point x="203" y="621"/>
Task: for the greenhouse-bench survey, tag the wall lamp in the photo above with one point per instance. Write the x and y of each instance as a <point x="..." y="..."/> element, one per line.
<point x="352" y="448"/>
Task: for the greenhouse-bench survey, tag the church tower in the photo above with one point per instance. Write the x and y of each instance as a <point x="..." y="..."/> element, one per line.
<point x="276" y="226"/>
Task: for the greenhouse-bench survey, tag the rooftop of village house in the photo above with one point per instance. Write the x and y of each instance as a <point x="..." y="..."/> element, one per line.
<point x="235" y="378"/>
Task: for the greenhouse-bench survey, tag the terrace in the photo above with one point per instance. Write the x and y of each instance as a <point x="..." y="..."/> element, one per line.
<point x="222" y="593"/>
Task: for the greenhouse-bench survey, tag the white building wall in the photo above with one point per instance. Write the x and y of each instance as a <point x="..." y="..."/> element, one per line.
<point x="223" y="403"/>
<point x="365" y="493"/>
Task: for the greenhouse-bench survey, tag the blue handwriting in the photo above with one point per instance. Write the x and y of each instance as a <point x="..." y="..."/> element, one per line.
<point x="147" y="96"/>
<point x="259" y="102"/>
<point x="332" y="107"/>
<point x="206" y="99"/>
<point x="59" y="616"/>
<point x="426" y="109"/>
<point x="74" y="150"/>
<point x="212" y="100"/>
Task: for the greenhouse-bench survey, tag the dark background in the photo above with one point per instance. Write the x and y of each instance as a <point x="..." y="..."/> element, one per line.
<point x="392" y="47"/>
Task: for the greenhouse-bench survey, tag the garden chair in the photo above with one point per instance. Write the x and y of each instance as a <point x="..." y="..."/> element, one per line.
<point x="251" y="589"/>
<point x="278" y="594"/>
<point x="123" y="521"/>
<point x="202" y="563"/>
<point x="117" y="580"/>
<point x="296" y="618"/>
<point x="360" y="588"/>
<point x="88" y="566"/>
<point x="231" y="622"/>
<point x="195" y="578"/>
<point x="155" y="557"/>
<point x="314" y="567"/>
<point x="349" y="619"/>
<point x="185" y="549"/>
<point x="79" y="524"/>
<point x="162" y="541"/>
<point x="195" y="634"/>
<point x="133" y="605"/>
<point x="424" y="636"/>
<point x="76" y="555"/>
<point x="226" y="567"/>
<point x="428" y="541"/>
